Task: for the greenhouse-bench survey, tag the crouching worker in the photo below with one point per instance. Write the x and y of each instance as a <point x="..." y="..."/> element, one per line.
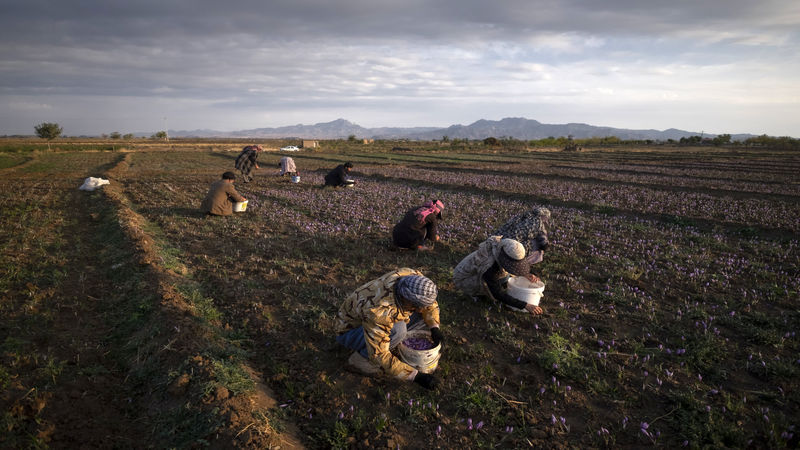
<point x="529" y="229"/>
<point x="486" y="271"/>
<point x="338" y="177"/>
<point x="288" y="167"/>
<point x="418" y="225"/>
<point x="374" y="319"/>
<point x="221" y="196"/>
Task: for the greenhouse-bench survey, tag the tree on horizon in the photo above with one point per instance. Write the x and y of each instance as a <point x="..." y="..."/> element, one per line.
<point x="49" y="131"/>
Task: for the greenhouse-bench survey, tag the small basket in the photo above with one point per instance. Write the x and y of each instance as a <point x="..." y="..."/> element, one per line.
<point x="425" y="361"/>
<point x="523" y="289"/>
<point x="295" y="179"/>
<point x="240" y="206"/>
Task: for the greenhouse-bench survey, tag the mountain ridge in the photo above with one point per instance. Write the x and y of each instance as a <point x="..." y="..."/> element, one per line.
<point x="510" y="127"/>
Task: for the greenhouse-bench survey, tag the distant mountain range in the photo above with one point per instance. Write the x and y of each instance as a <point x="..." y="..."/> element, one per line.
<point x="514" y="127"/>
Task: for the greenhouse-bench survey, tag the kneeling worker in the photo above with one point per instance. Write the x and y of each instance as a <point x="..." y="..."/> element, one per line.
<point x="486" y="272"/>
<point x="221" y="196"/>
<point x="338" y="177"/>
<point x="374" y="319"/>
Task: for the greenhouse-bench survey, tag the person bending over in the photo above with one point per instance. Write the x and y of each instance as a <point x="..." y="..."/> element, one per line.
<point x="374" y="319"/>
<point x="417" y="225"/>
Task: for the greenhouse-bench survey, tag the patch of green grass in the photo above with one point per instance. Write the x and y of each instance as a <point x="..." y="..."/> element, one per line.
<point x="562" y="356"/>
<point x="5" y="378"/>
<point x="14" y="345"/>
<point x="42" y="166"/>
<point x="359" y="421"/>
<point x="170" y="255"/>
<point x="274" y="418"/>
<point x="312" y="316"/>
<point x="380" y="422"/>
<point x="503" y="332"/>
<point x="332" y="435"/>
<point x="21" y="148"/>
<point x="51" y="369"/>
<point x="759" y="328"/>
<point x="477" y="400"/>
<point x="16" y="433"/>
<point x="704" y="352"/>
<point x="703" y="428"/>
<point x="8" y="161"/>
<point x="186" y="426"/>
<point x="232" y="377"/>
<point x="203" y="306"/>
<point x="598" y="385"/>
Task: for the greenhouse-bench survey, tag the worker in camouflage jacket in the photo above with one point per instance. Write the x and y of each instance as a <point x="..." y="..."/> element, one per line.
<point x="375" y="317"/>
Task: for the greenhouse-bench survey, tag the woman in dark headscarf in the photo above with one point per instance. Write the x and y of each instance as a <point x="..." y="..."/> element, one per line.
<point x="529" y="229"/>
<point x="417" y="225"/>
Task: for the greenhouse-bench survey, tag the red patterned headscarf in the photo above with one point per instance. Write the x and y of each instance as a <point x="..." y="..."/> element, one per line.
<point x="428" y="208"/>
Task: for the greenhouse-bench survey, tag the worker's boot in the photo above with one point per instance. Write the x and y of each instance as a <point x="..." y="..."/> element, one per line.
<point x="362" y="365"/>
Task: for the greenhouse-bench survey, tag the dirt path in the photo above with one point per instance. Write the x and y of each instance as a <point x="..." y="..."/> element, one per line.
<point x="98" y="346"/>
<point x="63" y="390"/>
<point x="244" y="419"/>
<point x="90" y="405"/>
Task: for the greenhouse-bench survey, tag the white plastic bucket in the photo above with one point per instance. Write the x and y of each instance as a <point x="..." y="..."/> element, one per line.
<point x="240" y="206"/>
<point x="349" y="183"/>
<point x="523" y="289"/>
<point x="296" y="179"/>
<point x="425" y="361"/>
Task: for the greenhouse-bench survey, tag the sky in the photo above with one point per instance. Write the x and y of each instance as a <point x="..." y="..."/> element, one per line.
<point x="100" y="66"/>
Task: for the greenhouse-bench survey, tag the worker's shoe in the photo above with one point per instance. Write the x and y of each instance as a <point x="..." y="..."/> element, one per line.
<point x="362" y="365"/>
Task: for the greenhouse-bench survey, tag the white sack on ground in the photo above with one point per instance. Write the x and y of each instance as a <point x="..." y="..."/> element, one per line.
<point x="93" y="183"/>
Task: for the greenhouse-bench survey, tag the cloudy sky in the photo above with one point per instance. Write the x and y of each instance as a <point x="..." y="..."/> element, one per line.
<point x="719" y="66"/>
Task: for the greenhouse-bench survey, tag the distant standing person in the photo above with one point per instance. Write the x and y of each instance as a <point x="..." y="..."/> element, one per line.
<point x="338" y="176"/>
<point x="221" y="196"/>
<point x="417" y="225"/>
<point x="247" y="160"/>
<point x="287" y="167"/>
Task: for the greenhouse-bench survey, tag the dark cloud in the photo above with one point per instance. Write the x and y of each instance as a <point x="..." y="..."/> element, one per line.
<point x="293" y="54"/>
<point x="150" y="21"/>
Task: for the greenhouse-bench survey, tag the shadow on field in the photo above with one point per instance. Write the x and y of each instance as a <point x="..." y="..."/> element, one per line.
<point x="194" y="213"/>
<point x="227" y="156"/>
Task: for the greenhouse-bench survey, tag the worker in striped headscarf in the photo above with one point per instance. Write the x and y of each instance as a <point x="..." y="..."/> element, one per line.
<point x="375" y="317"/>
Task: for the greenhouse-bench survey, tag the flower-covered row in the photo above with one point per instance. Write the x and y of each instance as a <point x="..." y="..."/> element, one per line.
<point x="746" y="211"/>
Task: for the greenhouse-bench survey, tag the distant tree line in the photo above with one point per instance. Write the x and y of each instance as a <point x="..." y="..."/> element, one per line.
<point x="50" y="131"/>
<point x="781" y="143"/>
